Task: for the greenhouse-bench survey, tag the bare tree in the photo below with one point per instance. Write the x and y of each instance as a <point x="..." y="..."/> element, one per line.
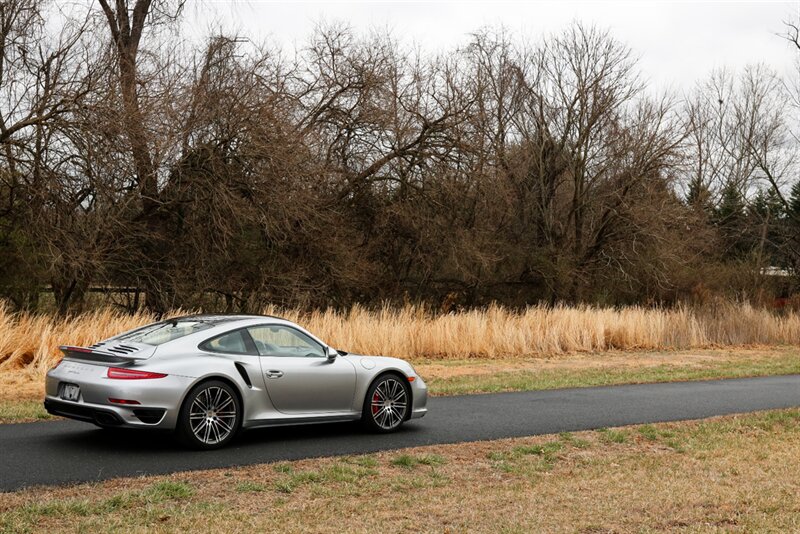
<point x="44" y="77"/>
<point x="127" y="24"/>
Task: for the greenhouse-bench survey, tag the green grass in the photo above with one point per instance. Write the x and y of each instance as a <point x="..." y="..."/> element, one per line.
<point x="26" y="410"/>
<point x="26" y="518"/>
<point x="250" y="487"/>
<point x="346" y="471"/>
<point x="613" y="436"/>
<point x="283" y="468"/>
<point x="568" y="438"/>
<point x="531" y="459"/>
<point x="409" y="461"/>
<point x="363" y="461"/>
<point x="569" y="378"/>
<point x="648" y="432"/>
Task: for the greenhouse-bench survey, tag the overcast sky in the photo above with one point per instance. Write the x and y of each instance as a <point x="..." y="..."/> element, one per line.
<point x="677" y="42"/>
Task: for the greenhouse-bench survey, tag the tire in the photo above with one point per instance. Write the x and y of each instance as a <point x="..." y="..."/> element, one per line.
<point x="387" y="404"/>
<point x="210" y="417"/>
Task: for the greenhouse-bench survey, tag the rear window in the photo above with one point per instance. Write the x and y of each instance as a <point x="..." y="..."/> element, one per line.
<point x="160" y="333"/>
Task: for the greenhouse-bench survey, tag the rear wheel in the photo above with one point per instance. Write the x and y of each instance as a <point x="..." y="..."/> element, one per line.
<point x="387" y="403"/>
<point x="210" y="416"/>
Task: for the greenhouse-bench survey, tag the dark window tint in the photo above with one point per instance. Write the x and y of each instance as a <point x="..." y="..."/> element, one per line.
<point x="232" y="342"/>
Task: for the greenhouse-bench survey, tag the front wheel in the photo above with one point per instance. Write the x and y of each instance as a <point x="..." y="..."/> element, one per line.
<point x="210" y="416"/>
<point x="386" y="405"/>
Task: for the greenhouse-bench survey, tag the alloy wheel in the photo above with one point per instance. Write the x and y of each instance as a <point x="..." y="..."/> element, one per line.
<point x="212" y="416"/>
<point x="389" y="404"/>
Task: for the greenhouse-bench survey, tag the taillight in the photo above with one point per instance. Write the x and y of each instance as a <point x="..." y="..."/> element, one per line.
<point x="123" y="401"/>
<point x="119" y="373"/>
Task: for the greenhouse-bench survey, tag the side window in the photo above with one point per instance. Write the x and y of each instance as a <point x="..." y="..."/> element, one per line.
<point x="277" y="340"/>
<point x="231" y="343"/>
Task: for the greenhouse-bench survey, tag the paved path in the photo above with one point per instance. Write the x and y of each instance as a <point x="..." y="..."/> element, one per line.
<point x="61" y="452"/>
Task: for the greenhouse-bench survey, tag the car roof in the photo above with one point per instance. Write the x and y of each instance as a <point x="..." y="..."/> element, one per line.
<point x="222" y="323"/>
<point x="222" y="318"/>
<point x="219" y="323"/>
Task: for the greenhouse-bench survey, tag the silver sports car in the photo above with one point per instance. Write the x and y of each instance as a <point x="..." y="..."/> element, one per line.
<point x="208" y="376"/>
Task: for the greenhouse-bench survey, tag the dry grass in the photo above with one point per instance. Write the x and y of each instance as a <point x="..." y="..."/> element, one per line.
<point x="496" y="332"/>
<point x="29" y="343"/>
<point x="727" y="474"/>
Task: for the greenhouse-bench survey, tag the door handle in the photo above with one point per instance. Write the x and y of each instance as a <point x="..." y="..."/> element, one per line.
<point x="274" y="374"/>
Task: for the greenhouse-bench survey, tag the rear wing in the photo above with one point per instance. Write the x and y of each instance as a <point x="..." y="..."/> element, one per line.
<point x="108" y="354"/>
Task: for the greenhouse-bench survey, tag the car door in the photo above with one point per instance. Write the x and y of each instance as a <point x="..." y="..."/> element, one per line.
<point x="299" y="377"/>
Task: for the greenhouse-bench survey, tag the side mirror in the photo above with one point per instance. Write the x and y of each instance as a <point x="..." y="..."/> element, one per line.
<point x="332" y="354"/>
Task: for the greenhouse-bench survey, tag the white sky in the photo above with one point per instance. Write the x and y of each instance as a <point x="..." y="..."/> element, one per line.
<point x="678" y="43"/>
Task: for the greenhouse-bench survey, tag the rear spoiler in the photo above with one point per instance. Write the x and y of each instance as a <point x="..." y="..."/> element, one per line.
<point x="98" y="355"/>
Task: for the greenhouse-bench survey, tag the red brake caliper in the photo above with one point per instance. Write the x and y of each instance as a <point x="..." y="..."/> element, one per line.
<point x="375" y="401"/>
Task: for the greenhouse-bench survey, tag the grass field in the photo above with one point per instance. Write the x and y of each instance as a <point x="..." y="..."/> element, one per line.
<point x="20" y="400"/>
<point x="30" y="343"/>
<point x="736" y="473"/>
<point x="486" y="350"/>
<point x="457" y="377"/>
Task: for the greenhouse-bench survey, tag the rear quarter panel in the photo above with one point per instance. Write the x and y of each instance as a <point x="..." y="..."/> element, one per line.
<point x="201" y="367"/>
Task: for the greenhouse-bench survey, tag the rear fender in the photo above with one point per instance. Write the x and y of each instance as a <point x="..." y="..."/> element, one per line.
<point x="237" y="371"/>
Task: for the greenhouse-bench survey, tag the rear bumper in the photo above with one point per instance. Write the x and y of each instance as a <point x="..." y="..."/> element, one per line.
<point x="72" y="410"/>
<point x="108" y="416"/>
<point x="159" y="399"/>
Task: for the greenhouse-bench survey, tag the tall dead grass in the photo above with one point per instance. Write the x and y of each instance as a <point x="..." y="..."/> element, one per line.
<point x="29" y="342"/>
<point x="496" y="332"/>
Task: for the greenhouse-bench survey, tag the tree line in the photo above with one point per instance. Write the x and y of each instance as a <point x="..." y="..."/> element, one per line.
<point x="227" y="174"/>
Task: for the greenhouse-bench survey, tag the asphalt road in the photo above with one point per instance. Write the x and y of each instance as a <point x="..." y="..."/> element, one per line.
<point x="62" y="452"/>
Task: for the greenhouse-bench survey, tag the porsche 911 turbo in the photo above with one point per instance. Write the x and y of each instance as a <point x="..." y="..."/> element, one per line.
<point x="208" y="376"/>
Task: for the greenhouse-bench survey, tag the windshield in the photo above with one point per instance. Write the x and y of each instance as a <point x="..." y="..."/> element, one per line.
<point x="159" y="333"/>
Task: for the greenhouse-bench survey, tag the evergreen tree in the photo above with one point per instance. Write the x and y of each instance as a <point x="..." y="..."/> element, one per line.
<point x="794" y="203"/>
<point x="766" y="216"/>
<point x="731" y="206"/>
<point x="766" y="205"/>
<point x="791" y="242"/>
<point x="731" y="219"/>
